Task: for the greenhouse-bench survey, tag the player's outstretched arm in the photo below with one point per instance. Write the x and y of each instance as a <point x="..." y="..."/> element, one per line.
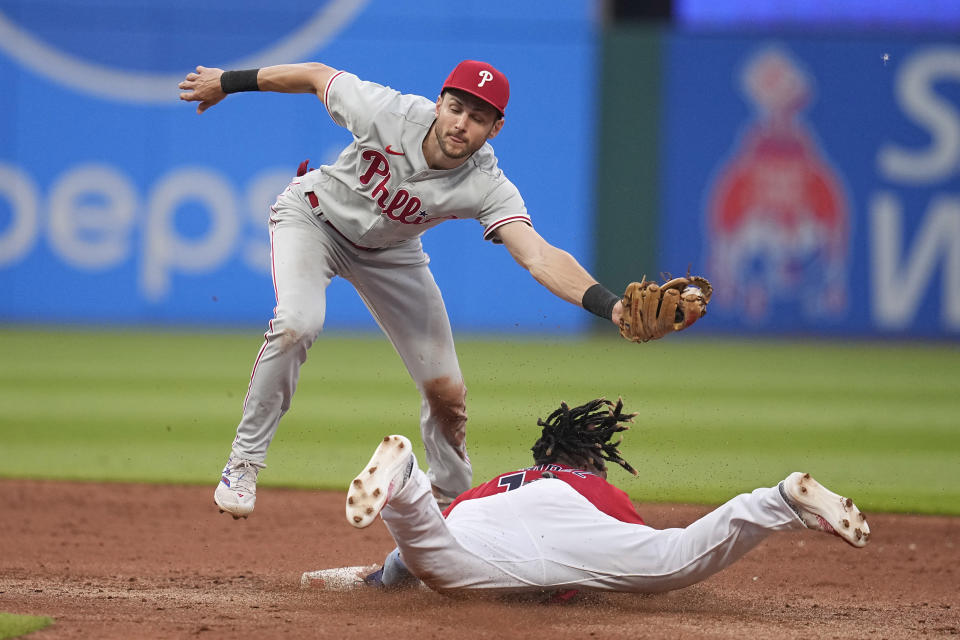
<point x="554" y="268"/>
<point x="210" y="85"/>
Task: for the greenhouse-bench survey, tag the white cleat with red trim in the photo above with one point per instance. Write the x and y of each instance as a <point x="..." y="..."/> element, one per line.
<point x="823" y="510"/>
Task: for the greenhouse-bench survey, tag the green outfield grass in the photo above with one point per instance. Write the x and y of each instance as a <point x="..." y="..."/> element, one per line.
<point x="876" y="420"/>
<point x="15" y="626"/>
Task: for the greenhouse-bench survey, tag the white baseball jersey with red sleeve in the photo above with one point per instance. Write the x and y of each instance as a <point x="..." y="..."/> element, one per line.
<point x="380" y="191"/>
<point x="601" y="494"/>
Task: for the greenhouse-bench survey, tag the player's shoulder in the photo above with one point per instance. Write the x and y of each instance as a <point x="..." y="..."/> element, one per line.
<point x="408" y="105"/>
<point x="415" y="109"/>
<point x="410" y="108"/>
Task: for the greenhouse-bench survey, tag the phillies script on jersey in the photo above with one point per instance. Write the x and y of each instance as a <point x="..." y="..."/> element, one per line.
<point x="402" y="207"/>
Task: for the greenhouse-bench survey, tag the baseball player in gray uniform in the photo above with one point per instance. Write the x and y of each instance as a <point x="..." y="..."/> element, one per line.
<point x="413" y="163"/>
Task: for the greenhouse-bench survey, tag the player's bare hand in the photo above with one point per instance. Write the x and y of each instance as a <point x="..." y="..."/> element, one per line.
<point x="617" y="313"/>
<point x="203" y="86"/>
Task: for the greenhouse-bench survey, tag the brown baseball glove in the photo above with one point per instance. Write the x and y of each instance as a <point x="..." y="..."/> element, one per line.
<point x="651" y="310"/>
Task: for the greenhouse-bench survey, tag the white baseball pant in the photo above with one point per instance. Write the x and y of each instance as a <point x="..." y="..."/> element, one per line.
<point x="399" y="290"/>
<point x="545" y="535"/>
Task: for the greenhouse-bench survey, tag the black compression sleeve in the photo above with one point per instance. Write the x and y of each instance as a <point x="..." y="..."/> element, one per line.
<point x="234" y="81"/>
<point x="600" y="301"/>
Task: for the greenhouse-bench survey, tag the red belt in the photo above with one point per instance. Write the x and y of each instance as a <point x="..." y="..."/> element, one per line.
<point x="315" y="202"/>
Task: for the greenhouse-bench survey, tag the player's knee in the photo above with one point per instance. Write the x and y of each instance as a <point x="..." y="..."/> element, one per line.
<point x="299" y="328"/>
<point x="447" y="399"/>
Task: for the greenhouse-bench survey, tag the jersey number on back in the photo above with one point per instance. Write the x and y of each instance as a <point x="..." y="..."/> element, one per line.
<point x="512" y="481"/>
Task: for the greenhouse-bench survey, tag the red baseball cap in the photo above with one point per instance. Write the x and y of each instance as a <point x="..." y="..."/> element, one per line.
<point x="480" y="79"/>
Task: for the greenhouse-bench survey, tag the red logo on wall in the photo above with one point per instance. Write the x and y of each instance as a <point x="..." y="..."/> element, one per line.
<point x="778" y="220"/>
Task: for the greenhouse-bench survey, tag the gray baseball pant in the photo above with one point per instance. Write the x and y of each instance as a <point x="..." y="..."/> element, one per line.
<point x="399" y="290"/>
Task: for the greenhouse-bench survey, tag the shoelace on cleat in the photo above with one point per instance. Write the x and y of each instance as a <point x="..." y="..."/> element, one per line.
<point x="243" y="476"/>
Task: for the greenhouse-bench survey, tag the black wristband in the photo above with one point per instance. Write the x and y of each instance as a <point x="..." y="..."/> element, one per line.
<point x="234" y="81"/>
<point x="600" y="301"/>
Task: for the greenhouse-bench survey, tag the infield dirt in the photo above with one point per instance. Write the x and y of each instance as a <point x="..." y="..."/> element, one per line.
<point x="147" y="561"/>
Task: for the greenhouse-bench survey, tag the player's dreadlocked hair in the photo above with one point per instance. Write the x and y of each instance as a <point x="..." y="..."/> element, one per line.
<point x="581" y="435"/>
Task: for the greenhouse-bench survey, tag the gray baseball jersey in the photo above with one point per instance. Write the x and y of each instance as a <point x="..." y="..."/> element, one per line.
<point x="380" y="196"/>
<point x="380" y="191"/>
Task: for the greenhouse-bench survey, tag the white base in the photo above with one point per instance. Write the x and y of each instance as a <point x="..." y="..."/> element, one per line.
<point x="337" y="579"/>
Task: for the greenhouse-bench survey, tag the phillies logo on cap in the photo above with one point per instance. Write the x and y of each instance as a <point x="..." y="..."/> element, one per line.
<point x="482" y="80"/>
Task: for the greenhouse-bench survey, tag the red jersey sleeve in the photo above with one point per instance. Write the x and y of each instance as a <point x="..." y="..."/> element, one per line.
<point x="601" y="494"/>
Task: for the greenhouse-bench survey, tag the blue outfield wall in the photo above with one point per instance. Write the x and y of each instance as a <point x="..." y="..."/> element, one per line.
<point x="119" y="204"/>
<point x="815" y="180"/>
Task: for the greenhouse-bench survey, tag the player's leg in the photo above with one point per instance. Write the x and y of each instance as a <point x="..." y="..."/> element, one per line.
<point x="392" y="485"/>
<point x="406" y="302"/>
<point x="643" y="559"/>
<point x="303" y="263"/>
<point x="585" y="548"/>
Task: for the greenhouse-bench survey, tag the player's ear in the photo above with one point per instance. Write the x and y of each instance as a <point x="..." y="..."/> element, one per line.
<point x="439" y="100"/>
<point x="496" y="129"/>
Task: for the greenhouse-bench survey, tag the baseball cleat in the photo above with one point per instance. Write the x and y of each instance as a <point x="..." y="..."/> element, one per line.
<point x="823" y="510"/>
<point x="235" y="517"/>
<point x="385" y="474"/>
<point x="237" y="492"/>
